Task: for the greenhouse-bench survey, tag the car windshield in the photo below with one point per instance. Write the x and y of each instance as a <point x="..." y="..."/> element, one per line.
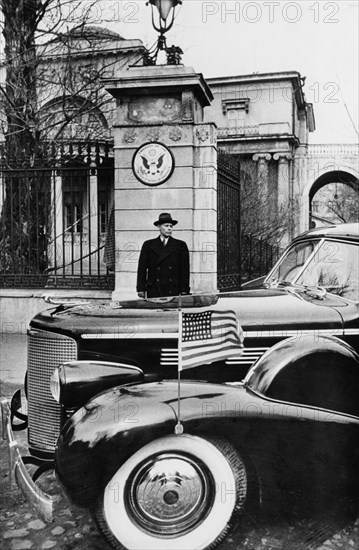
<point x="334" y="266"/>
<point x="328" y="264"/>
<point x="292" y="263"/>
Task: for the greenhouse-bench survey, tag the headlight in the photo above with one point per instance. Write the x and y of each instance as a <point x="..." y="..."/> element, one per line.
<point x="55" y="385"/>
<point x="75" y="382"/>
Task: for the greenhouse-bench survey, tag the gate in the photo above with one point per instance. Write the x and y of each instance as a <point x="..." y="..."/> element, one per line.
<point x="241" y="256"/>
<point x="228" y="223"/>
<point x="55" y="219"/>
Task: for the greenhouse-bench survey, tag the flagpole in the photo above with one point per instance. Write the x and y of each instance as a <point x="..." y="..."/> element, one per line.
<point x="179" y="427"/>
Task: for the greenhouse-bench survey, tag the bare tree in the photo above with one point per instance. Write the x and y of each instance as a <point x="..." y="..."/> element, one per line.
<point x="52" y="93"/>
<point x="263" y="222"/>
<point x="47" y="88"/>
<point x="21" y="19"/>
<point x="337" y="202"/>
<point x="343" y="202"/>
<point x="260" y="215"/>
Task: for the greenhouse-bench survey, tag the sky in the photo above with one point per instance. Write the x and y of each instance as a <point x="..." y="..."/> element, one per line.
<point x="319" y="39"/>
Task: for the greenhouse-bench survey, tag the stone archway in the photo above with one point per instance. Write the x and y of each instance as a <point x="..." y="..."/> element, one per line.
<point x="334" y="198"/>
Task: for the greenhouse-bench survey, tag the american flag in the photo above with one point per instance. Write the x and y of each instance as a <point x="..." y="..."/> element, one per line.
<point x="208" y="336"/>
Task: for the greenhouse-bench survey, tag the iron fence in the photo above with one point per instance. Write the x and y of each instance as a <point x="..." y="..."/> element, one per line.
<point x="258" y="255"/>
<point x="55" y="219"/>
<point x="241" y="257"/>
<point x="228" y="224"/>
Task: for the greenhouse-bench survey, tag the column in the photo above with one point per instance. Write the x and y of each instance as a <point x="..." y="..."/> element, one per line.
<point x="93" y="236"/>
<point x="262" y="160"/>
<point x="285" y="194"/>
<point x="300" y="197"/>
<point x="56" y="251"/>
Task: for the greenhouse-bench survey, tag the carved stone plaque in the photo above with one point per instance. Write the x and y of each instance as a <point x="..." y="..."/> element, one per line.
<point x="155" y="109"/>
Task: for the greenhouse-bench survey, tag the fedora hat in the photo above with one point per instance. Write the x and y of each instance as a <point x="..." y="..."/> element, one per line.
<point x="165" y="218"/>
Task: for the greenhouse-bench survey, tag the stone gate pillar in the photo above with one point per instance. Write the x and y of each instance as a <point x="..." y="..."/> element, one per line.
<point x="165" y="161"/>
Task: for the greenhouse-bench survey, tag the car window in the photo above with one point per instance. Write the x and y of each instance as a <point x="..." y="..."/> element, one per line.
<point x="334" y="266"/>
<point x="293" y="262"/>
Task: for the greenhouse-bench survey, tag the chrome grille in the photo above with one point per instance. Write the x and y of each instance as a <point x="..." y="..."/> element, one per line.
<point x="169" y="357"/>
<point x="46" y="350"/>
<point x="248" y="357"/>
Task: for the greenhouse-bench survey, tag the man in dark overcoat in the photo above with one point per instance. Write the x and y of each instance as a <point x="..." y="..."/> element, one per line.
<point x="163" y="266"/>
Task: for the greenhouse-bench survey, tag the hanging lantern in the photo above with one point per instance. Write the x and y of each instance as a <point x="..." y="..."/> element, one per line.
<point x="164" y="8"/>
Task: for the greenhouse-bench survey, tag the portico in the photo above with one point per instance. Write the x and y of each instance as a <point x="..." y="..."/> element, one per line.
<point x="264" y="121"/>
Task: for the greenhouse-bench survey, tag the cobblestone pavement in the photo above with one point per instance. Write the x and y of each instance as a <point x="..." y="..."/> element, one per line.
<point x="73" y="528"/>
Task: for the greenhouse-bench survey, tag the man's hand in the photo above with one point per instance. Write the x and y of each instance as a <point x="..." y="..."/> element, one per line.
<point x="141" y="294"/>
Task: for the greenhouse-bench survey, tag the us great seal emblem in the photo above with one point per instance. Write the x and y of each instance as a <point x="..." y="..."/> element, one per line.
<point x="153" y="163"/>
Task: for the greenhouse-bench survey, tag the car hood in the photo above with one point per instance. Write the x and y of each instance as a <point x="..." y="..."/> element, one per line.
<point x="269" y="309"/>
<point x="286" y="308"/>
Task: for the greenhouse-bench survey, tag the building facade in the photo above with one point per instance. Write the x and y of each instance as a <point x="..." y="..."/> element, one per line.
<point x="264" y="120"/>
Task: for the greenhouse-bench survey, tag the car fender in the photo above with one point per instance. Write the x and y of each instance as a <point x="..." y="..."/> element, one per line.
<point x="101" y="435"/>
<point x="285" y="355"/>
<point x="320" y="372"/>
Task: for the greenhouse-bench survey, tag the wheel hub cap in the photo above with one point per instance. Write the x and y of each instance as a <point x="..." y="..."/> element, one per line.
<point x="169" y="494"/>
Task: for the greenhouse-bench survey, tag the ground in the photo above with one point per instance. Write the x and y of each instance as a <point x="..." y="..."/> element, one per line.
<point x="335" y="527"/>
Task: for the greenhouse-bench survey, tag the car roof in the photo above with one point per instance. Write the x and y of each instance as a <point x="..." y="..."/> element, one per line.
<point x="348" y="230"/>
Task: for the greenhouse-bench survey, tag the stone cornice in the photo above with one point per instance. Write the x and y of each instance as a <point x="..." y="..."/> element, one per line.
<point x="144" y="79"/>
<point x="285" y="75"/>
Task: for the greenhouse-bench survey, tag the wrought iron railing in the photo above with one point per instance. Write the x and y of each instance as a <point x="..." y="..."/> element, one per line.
<point x="55" y="219"/>
<point x="258" y="255"/>
<point x="228" y="223"/>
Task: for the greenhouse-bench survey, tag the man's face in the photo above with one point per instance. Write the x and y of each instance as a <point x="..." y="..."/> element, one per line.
<point x="166" y="229"/>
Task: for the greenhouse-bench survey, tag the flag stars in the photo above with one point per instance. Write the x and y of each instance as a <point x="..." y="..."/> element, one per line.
<point x="197" y="326"/>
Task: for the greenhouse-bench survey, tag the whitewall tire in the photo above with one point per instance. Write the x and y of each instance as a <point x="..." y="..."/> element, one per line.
<point x="179" y="492"/>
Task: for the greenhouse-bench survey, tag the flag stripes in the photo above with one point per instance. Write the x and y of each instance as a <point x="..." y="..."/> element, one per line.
<point x="207" y="337"/>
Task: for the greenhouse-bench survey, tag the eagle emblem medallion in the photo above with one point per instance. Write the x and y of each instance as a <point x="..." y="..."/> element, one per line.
<point x="153" y="163"/>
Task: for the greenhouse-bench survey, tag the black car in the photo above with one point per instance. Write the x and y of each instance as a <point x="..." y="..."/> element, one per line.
<point x="280" y="416"/>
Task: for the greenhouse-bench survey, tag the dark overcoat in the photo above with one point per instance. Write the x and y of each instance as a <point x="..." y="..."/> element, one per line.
<point x="163" y="270"/>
